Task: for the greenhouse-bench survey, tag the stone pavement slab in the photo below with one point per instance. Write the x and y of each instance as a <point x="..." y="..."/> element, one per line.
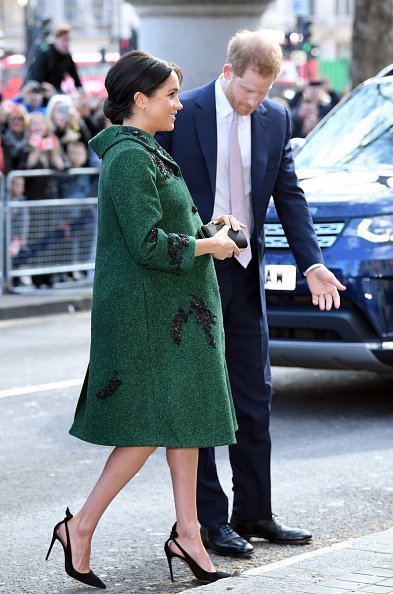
<point x="363" y="565"/>
<point x="14" y="305"/>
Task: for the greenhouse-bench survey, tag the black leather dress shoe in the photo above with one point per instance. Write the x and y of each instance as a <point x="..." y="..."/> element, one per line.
<point x="223" y="540"/>
<point x="271" y="530"/>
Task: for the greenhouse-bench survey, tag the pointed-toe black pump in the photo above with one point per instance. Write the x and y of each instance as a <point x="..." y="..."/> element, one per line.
<point x="207" y="577"/>
<point x="86" y="578"/>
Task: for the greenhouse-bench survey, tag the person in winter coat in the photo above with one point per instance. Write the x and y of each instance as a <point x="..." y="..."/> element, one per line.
<point x="54" y="61"/>
<point x="15" y="139"/>
<point x="157" y="375"/>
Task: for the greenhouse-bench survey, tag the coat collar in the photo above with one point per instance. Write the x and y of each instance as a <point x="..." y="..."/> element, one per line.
<point x="116" y="134"/>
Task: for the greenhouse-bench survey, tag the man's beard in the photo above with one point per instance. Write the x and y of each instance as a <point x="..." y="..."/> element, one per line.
<point x="237" y="106"/>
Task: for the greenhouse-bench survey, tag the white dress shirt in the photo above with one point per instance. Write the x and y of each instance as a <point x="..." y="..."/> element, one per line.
<point x="222" y="199"/>
<point x="224" y="114"/>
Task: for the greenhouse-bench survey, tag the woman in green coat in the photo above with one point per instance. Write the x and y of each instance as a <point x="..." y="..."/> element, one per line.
<point x="157" y="374"/>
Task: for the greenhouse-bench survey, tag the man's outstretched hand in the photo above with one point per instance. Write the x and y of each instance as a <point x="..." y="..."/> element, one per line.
<point x="324" y="287"/>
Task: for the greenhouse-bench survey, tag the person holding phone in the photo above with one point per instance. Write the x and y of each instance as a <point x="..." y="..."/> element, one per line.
<point x="66" y="121"/>
<point x="44" y="150"/>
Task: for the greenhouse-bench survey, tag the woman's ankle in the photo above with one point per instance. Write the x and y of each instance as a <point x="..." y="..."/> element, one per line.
<point x="189" y="532"/>
<point x="81" y="527"/>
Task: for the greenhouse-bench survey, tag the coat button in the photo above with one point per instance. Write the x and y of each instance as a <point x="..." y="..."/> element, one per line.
<point x="194" y="208"/>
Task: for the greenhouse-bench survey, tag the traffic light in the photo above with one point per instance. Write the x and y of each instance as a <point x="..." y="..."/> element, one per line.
<point x="288" y="43"/>
<point x="125" y="45"/>
<point x="306" y="30"/>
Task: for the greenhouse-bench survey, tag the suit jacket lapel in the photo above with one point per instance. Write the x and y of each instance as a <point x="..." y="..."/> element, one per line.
<point x="206" y="127"/>
<point x="260" y="139"/>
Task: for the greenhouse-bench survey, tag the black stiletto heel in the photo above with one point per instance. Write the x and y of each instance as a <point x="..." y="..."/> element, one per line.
<point x="206" y="577"/>
<point x="86" y="578"/>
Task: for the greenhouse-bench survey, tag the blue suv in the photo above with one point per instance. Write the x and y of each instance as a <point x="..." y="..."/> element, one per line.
<point x="346" y="170"/>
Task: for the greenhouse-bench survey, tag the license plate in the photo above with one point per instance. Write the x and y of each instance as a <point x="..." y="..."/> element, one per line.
<point x="280" y="277"/>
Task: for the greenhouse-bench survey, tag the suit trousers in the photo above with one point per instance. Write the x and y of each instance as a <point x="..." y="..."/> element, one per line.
<point x="246" y="340"/>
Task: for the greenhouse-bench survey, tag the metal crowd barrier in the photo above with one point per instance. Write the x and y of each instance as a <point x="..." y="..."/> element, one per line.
<point x="2" y="231"/>
<point x="51" y="242"/>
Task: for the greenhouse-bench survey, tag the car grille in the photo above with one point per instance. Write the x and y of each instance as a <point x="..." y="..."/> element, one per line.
<point x="327" y="234"/>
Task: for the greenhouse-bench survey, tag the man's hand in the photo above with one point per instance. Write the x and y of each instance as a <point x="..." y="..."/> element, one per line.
<point x="323" y="287"/>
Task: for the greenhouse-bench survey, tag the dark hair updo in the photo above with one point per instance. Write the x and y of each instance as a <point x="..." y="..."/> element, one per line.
<point x="134" y="72"/>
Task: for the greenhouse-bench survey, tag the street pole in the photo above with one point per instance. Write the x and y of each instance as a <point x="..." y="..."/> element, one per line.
<point x="24" y="5"/>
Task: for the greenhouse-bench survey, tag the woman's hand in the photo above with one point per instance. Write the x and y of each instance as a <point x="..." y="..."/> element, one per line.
<point x="229" y="220"/>
<point x="223" y="246"/>
<point x="56" y="160"/>
<point x="220" y="246"/>
<point x="33" y="157"/>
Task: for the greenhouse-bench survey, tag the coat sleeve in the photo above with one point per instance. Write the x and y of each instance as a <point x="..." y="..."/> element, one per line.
<point x="293" y="210"/>
<point x="74" y="73"/>
<point x="39" y="67"/>
<point x="137" y="205"/>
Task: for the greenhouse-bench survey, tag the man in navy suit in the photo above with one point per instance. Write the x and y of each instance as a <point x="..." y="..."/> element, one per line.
<point x="202" y="145"/>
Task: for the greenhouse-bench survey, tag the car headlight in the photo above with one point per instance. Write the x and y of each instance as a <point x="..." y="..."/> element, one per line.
<point x="376" y="229"/>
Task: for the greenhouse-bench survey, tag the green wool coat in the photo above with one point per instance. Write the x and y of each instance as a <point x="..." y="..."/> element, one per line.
<point x="157" y="373"/>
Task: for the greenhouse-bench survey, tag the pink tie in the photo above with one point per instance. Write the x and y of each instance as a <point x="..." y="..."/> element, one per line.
<point x="236" y="185"/>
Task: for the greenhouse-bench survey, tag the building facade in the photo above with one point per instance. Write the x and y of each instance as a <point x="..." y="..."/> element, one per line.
<point x="95" y="23"/>
<point x="194" y="34"/>
<point x="331" y="32"/>
<point x="331" y="23"/>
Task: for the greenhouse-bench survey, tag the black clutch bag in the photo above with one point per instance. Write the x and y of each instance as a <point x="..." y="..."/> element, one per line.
<point x="237" y="237"/>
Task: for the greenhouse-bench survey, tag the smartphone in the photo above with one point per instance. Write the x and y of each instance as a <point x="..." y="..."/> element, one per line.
<point x="64" y="110"/>
<point x="48" y="144"/>
<point x="35" y="140"/>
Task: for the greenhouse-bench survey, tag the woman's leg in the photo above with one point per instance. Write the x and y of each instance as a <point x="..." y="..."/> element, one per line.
<point x="122" y="464"/>
<point x="183" y="464"/>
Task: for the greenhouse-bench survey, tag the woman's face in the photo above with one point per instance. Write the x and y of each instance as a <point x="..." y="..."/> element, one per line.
<point x="60" y="115"/>
<point x="38" y="124"/>
<point x="16" y="123"/>
<point x="160" y="110"/>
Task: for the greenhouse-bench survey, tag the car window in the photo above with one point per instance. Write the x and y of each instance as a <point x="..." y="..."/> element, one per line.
<point x="358" y="135"/>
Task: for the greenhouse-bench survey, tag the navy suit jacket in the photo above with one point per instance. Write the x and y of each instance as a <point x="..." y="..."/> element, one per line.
<point x="193" y="144"/>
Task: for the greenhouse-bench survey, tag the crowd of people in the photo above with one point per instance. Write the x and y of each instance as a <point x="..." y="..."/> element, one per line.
<point x="43" y="128"/>
<point x="38" y="125"/>
<point x="310" y="104"/>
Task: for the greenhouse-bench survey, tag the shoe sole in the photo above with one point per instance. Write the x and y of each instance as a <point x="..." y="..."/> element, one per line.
<point x="293" y="542"/>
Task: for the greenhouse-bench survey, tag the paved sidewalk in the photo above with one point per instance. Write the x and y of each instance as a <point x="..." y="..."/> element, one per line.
<point x="14" y="305"/>
<point x="363" y="565"/>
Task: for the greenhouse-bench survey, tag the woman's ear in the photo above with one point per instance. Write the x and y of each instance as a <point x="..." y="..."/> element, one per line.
<point x="140" y="100"/>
